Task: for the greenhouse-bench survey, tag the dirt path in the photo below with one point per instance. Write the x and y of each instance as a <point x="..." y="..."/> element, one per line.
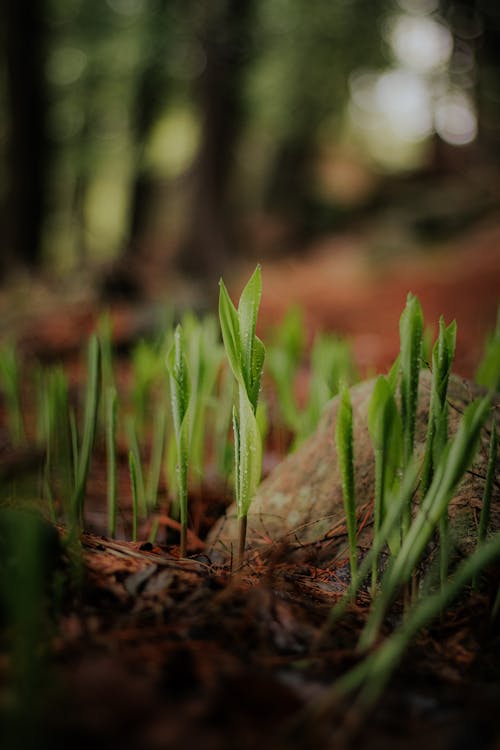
<point x="342" y="288"/>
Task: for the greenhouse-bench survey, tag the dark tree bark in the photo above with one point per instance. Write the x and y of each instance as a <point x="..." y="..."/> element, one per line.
<point x="148" y="102"/>
<point x="224" y="34"/>
<point x="26" y="158"/>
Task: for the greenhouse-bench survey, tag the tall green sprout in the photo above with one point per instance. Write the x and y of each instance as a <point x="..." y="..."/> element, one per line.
<point x="484" y="518"/>
<point x="454" y="462"/>
<point x="112" y="476"/>
<point x="245" y="353"/>
<point x="384" y="426"/>
<point x="442" y="358"/>
<point x="10" y="384"/>
<point x="180" y="402"/>
<point x="437" y="427"/>
<point x="132" y="465"/>
<point x="488" y="370"/>
<point x="331" y="364"/>
<point x="411" y="326"/>
<point x="370" y="676"/>
<point x="283" y="360"/>
<point x="54" y="435"/>
<point x="84" y="450"/>
<point x="204" y="355"/>
<point x="345" y="451"/>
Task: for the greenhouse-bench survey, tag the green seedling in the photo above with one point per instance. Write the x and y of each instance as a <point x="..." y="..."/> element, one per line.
<point x="223" y="407"/>
<point x="391" y="524"/>
<point x="454" y="463"/>
<point x="437" y="428"/>
<point x="384" y="426"/>
<point x="204" y="355"/>
<point x="345" y="451"/>
<point x="133" y="445"/>
<point x="245" y="353"/>
<point x="180" y="402"/>
<point x="410" y="330"/>
<point x="370" y="676"/>
<point x="29" y="553"/>
<point x="283" y="361"/>
<point x="488" y="371"/>
<point x="484" y="519"/>
<point x="156" y="457"/>
<point x="112" y="476"/>
<point x="442" y="358"/>
<point x="132" y="465"/>
<point x="105" y="336"/>
<point x="84" y="450"/>
<point x="10" y="383"/>
<point x="147" y="376"/>
<point x="54" y="436"/>
<point x="331" y="365"/>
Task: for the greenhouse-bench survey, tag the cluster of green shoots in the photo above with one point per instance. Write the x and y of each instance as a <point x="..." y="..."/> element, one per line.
<point x="194" y="402"/>
<point x="411" y="498"/>
<point x="190" y="405"/>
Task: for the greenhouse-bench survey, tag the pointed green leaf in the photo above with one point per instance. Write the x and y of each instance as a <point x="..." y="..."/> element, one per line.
<point x="258" y="357"/>
<point x="249" y="454"/>
<point x="411" y="326"/>
<point x="230" y="327"/>
<point x="345" y="451"/>
<point x="248" y="309"/>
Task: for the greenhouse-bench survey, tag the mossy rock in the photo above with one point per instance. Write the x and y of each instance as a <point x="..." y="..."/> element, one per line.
<point x="301" y="503"/>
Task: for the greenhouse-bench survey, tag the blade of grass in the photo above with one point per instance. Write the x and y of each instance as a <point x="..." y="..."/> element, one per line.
<point x="134" y="487"/>
<point x="133" y="445"/>
<point x="345" y="451"/>
<point x="89" y="426"/>
<point x="112" y="477"/>
<point x="156" y="459"/>
<point x="373" y="673"/>
<point x="390" y="524"/>
<point x="411" y="331"/>
<point x="245" y="353"/>
<point x="454" y="462"/>
<point x="384" y="426"/>
<point x="484" y="519"/>
<point x="180" y="402"/>
<point x="10" y="380"/>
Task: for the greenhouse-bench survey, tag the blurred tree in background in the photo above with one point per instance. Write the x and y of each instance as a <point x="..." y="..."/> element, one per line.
<point x="135" y="126"/>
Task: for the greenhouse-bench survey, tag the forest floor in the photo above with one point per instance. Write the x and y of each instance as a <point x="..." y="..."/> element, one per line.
<point x="157" y="653"/>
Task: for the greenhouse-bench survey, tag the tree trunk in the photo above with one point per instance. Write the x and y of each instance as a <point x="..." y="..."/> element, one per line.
<point x="148" y="102"/>
<point x="208" y="244"/>
<point x="27" y="143"/>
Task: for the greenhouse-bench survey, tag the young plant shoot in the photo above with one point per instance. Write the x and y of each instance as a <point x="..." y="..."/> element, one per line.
<point x="454" y="462"/>
<point x="411" y="326"/>
<point x="180" y="403"/>
<point x="84" y="451"/>
<point x="345" y="451"/>
<point x="245" y="353"/>
<point x="484" y="519"/>
<point x="437" y="428"/>
<point x="442" y="358"/>
<point x="384" y="426"/>
<point x="112" y="477"/>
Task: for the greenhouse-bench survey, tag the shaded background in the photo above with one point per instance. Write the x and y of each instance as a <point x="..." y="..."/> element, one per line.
<point x="149" y="146"/>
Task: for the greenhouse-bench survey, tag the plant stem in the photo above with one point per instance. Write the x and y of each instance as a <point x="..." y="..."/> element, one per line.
<point x="242" y="540"/>
<point x="183" y="540"/>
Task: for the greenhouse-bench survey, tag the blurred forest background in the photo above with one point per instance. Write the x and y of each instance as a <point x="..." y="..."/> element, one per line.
<point x="203" y="132"/>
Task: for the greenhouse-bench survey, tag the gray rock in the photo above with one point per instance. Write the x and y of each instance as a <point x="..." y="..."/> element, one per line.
<point x="301" y="503"/>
